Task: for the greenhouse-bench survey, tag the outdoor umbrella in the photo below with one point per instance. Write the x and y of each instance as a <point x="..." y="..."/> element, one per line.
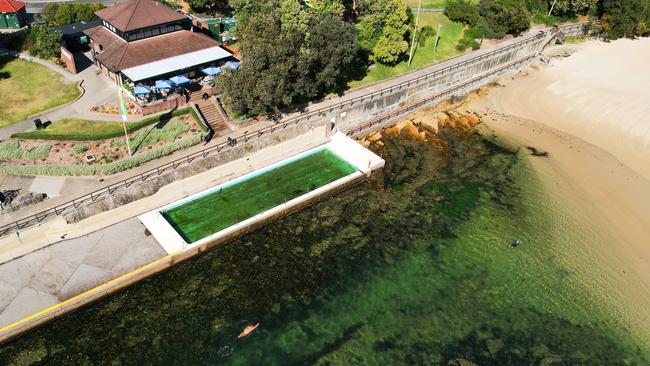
<point x="179" y="80"/>
<point x="212" y="71"/>
<point x="140" y="90"/>
<point x="232" y="64"/>
<point x="162" y="84"/>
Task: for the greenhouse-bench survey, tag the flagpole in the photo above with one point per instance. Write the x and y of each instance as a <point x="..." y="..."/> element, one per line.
<point x="124" y="116"/>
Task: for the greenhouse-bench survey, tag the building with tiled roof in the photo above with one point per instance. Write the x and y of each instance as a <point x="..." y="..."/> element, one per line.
<point x="143" y="40"/>
<point x="12" y="14"/>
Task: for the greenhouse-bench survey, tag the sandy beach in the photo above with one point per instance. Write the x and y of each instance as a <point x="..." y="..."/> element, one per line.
<point x="599" y="93"/>
<point x="590" y="113"/>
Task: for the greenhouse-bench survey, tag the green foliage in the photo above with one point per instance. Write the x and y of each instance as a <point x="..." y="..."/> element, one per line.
<point x="506" y="16"/>
<point x="38" y="153"/>
<point x="10" y="150"/>
<point x="625" y="18"/>
<point x="383" y="27"/>
<point x="462" y="11"/>
<point x="284" y="64"/>
<point x="572" y="7"/>
<point x="102" y="169"/>
<point x="79" y="149"/>
<point x="209" y="6"/>
<point x="45" y="43"/>
<point x="327" y="7"/>
<point x="83" y="130"/>
<point x="67" y="13"/>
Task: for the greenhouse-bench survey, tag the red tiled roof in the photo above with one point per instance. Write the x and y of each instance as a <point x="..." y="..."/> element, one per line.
<point x="11" y="6"/>
<point x="118" y="54"/>
<point x="136" y="14"/>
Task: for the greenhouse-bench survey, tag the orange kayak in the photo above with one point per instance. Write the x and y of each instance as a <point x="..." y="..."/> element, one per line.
<point x="248" y="330"/>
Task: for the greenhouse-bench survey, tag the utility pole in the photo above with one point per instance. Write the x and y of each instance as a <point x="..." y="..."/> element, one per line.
<point x="552" y="6"/>
<point x="435" y="47"/>
<point x="415" y="31"/>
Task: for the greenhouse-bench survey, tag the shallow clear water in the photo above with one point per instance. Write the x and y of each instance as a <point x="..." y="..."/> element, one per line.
<point x="411" y="267"/>
<point x="207" y="214"/>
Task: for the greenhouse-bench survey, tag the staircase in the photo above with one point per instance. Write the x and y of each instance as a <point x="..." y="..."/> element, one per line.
<point x="214" y="116"/>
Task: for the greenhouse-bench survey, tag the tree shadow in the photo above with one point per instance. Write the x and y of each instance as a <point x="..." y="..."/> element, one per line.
<point x="4" y="59"/>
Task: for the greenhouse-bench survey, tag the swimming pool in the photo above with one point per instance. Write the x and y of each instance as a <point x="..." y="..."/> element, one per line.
<point x="230" y="203"/>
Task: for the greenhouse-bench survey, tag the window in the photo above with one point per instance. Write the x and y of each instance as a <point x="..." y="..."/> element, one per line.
<point x="147" y="33"/>
<point x="131" y="36"/>
<point x="155" y="31"/>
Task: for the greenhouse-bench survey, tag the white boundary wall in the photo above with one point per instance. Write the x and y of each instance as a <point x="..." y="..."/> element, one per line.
<point x="361" y="158"/>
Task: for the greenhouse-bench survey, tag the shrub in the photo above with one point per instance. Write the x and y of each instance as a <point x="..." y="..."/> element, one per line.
<point x="38" y="153"/>
<point x="79" y="149"/>
<point x="10" y="150"/>
<point x="462" y="11"/>
<point x="45" y="42"/>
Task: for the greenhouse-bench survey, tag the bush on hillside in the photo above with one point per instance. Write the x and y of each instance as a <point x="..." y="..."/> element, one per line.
<point x="462" y="11"/>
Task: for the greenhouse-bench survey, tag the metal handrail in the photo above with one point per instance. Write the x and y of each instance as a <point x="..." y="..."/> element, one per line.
<point x="73" y="204"/>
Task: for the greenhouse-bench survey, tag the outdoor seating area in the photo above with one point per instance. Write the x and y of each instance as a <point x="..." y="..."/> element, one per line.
<point x="179" y="85"/>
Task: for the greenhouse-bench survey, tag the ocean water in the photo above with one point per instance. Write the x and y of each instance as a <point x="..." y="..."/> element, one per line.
<point x="448" y="256"/>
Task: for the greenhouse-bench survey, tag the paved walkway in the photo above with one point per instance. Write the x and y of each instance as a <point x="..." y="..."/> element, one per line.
<point x="65" y="269"/>
<point x="98" y="90"/>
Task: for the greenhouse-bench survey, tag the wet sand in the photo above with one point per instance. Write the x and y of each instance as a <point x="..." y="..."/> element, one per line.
<point x="597" y="168"/>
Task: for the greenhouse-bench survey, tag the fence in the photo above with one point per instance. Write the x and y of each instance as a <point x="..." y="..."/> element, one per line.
<point x="89" y="198"/>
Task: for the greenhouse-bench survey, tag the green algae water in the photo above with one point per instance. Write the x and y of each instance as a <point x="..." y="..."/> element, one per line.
<point x="207" y="214"/>
<point x="413" y="267"/>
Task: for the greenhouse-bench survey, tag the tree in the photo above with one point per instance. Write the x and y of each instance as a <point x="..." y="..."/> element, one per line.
<point x="49" y="12"/>
<point x="625" y="18"/>
<point x="213" y="6"/>
<point x="325" y="7"/>
<point x="330" y="52"/>
<point x="572" y="7"/>
<point x="45" y="42"/>
<point x="383" y="28"/>
<point x="65" y="14"/>
<point x="293" y="17"/>
<point x="506" y="16"/>
<point x="462" y="11"/>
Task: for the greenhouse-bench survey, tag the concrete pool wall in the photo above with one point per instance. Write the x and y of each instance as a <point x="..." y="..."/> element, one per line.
<point x="347" y="149"/>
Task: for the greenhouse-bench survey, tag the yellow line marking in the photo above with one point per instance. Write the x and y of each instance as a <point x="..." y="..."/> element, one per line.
<point x="105" y="284"/>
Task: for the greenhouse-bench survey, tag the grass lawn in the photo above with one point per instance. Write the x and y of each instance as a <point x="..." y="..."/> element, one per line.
<point x="450" y="34"/>
<point x="213" y="212"/>
<point x="73" y="129"/>
<point x="27" y="88"/>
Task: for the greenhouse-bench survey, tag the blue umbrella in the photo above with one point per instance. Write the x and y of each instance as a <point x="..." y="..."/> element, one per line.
<point x="212" y="71"/>
<point x="179" y="80"/>
<point x="162" y="84"/>
<point x="140" y="90"/>
<point x="232" y="64"/>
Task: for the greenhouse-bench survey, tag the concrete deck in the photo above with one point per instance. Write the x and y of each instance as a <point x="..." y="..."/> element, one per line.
<point x="67" y="268"/>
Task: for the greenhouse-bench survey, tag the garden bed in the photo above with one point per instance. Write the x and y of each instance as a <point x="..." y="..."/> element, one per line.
<point x="110" y="155"/>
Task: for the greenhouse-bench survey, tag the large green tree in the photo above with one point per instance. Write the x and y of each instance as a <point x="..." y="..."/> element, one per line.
<point x="383" y="28"/>
<point x="286" y="64"/>
<point x="625" y="18"/>
<point x="506" y="16"/>
<point x="462" y="11"/>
